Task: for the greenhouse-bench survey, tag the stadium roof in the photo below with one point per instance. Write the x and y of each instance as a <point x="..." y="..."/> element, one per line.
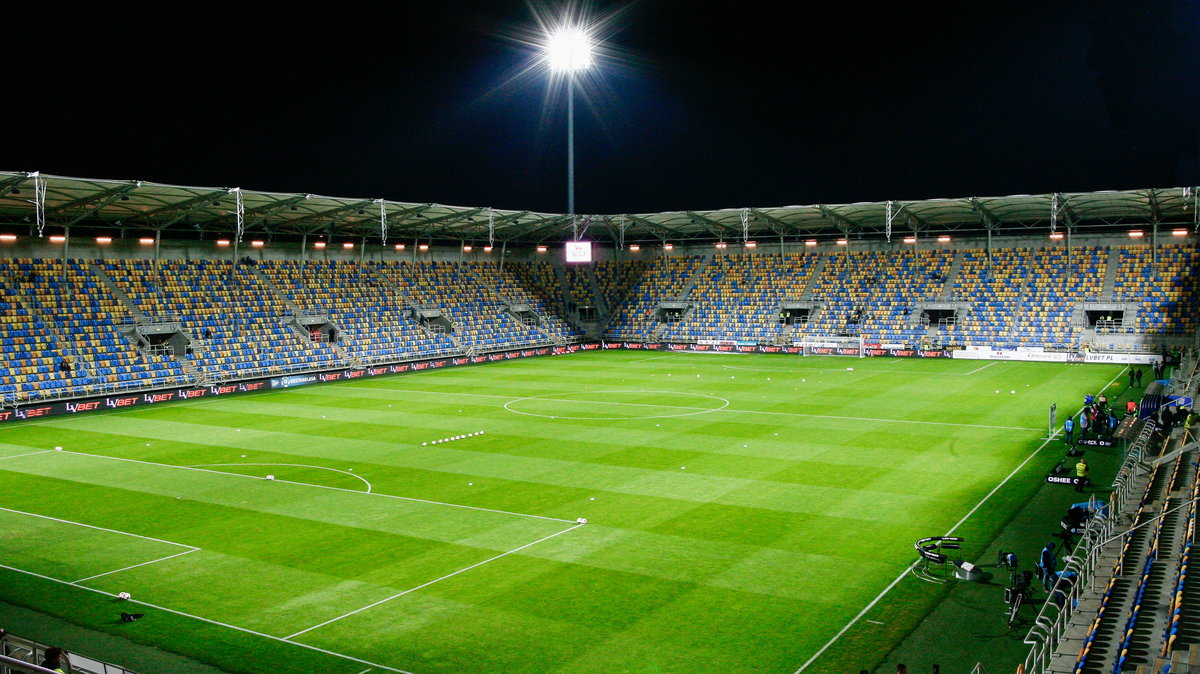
<point x="183" y="212"/>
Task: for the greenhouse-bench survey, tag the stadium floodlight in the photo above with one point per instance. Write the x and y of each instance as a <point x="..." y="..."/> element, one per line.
<point x="568" y="50"/>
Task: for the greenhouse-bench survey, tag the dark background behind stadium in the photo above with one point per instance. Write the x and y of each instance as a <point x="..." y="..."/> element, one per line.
<point x="705" y="105"/>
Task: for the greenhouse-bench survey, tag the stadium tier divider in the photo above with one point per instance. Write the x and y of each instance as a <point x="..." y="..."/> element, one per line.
<point x="1176" y="607"/>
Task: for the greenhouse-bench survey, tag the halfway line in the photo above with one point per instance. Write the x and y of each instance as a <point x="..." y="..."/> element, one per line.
<point x="707" y="409"/>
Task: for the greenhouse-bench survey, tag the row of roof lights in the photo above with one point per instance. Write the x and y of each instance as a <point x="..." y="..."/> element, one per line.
<point x="467" y="248"/>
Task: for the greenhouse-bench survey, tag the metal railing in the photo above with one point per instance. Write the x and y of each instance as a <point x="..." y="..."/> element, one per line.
<point x="1053" y="619"/>
<point x="18" y="654"/>
<point x="100" y="388"/>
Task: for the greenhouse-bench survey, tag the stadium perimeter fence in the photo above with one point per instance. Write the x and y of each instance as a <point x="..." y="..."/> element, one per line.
<point x="1054" y="617"/>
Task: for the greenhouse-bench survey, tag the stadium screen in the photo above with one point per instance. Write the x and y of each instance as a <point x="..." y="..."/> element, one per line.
<point x="579" y="251"/>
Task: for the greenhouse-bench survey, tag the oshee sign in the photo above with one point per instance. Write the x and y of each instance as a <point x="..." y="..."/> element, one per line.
<point x="284" y="382"/>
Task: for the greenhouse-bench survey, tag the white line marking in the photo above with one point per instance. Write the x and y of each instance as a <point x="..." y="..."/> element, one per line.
<point x="701" y="410"/>
<point x="111" y="531"/>
<point x="643" y="360"/>
<point x="318" y="486"/>
<point x="995" y="362"/>
<point x="886" y="421"/>
<point x="550" y="397"/>
<point x="859" y="369"/>
<point x="954" y="528"/>
<point x="134" y="566"/>
<point x="295" y="465"/>
<point x="17" y="456"/>
<point x="449" y="575"/>
<point x="207" y="620"/>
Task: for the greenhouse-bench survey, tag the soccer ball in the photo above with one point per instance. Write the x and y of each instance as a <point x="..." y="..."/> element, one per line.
<point x="123" y="595"/>
<point x="270" y="477"/>
<point x="582" y="520"/>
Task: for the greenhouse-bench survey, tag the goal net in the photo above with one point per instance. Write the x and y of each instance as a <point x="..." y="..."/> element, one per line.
<point x="834" y="346"/>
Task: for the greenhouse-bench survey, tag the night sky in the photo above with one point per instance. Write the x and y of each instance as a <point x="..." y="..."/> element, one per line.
<point x="696" y="105"/>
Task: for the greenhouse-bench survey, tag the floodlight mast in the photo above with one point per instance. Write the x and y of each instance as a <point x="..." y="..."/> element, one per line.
<point x="569" y="50"/>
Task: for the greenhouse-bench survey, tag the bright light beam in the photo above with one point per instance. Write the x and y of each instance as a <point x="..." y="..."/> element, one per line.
<point x="569" y="50"/>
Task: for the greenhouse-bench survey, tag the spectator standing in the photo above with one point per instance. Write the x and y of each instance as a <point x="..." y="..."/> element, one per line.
<point x="56" y="659"/>
<point x="1139" y="377"/>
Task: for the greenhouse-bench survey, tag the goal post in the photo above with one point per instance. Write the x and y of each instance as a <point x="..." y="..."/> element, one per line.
<point x="833" y="346"/>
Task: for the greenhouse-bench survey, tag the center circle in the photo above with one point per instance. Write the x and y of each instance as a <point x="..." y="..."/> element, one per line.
<point x="631" y="405"/>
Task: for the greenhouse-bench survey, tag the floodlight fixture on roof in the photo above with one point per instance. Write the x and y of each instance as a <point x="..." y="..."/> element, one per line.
<point x="568" y="49"/>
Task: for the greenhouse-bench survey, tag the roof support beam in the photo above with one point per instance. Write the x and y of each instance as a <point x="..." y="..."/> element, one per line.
<point x="837" y="219"/>
<point x="449" y="217"/>
<point x="13" y="183"/>
<point x="262" y="213"/>
<point x="331" y="213"/>
<point x="778" y="226"/>
<point x="1064" y="207"/>
<point x="100" y="201"/>
<point x="512" y="220"/>
<point x="548" y="224"/>
<point x="656" y="229"/>
<point x="989" y="220"/>
<point x="102" y="198"/>
<point x="718" y="229"/>
<point x="1155" y="207"/>
<point x="181" y="210"/>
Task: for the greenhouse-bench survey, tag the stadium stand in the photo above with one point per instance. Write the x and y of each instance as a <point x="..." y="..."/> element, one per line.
<point x="737" y="297"/>
<point x="480" y="319"/>
<point x="371" y="323"/>
<point x="664" y="278"/>
<point x="56" y="318"/>
<point x="242" y="319"/>
<point x="1166" y="289"/>
<point x="237" y="324"/>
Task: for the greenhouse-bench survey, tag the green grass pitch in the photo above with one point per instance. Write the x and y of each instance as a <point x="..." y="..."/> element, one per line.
<point x="741" y="510"/>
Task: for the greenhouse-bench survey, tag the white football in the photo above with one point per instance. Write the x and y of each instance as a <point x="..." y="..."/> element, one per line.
<point x="270" y="477"/>
<point x="123" y="595"/>
<point x="582" y="520"/>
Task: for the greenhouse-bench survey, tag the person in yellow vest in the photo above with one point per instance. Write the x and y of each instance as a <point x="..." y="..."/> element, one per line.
<point x="1081" y="472"/>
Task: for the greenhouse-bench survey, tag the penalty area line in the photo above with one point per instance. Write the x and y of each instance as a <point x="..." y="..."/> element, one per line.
<point x="17" y="456"/>
<point x="954" y="528"/>
<point x="437" y="580"/>
<point x="207" y="620"/>
<point x="317" y="486"/>
<point x="134" y="566"/>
